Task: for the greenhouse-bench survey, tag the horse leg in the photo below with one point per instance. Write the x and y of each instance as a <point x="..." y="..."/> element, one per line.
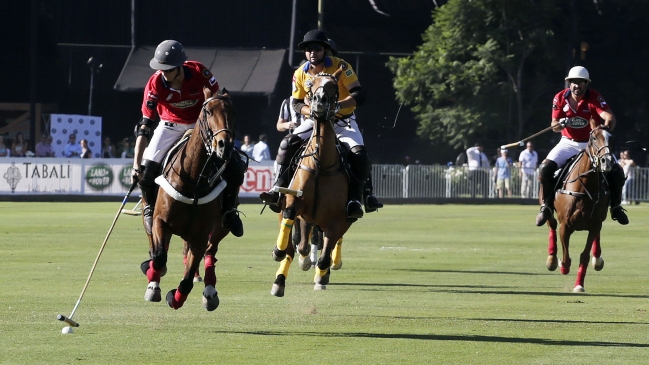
<point x="177" y="297"/>
<point x="282" y="272"/>
<point x="305" y="250"/>
<point x="551" y="263"/>
<point x="584" y="258"/>
<point x="565" y="263"/>
<point x="186" y="252"/>
<point x="316" y="243"/>
<point x="323" y="267"/>
<point x="336" y="255"/>
<point x="597" y="261"/>
<point x="210" y="294"/>
<point x="279" y="251"/>
<point x="158" y="263"/>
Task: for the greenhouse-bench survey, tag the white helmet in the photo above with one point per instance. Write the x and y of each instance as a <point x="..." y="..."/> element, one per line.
<point x="578" y="72"/>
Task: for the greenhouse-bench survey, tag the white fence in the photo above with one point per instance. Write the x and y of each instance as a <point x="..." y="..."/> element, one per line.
<point x="60" y="176"/>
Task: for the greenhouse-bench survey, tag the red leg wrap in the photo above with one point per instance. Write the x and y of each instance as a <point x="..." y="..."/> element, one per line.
<point x="581" y="275"/>
<point x="552" y="242"/>
<point x="210" y="274"/>
<point x="597" y="249"/>
<point x="152" y="274"/>
<point x="179" y="299"/>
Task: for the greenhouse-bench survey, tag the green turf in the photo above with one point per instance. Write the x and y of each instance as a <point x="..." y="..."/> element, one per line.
<point x="420" y="284"/>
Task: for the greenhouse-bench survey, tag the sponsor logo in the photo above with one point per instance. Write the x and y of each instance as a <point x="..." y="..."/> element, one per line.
<point x="99" y="176"/>
<point x="258" y="179"/>
<point x="184" y="104"/>
<point x="13" y="176"/>
<point x="212" y="81"/>
<point x="348" y="73"/>
<point x="125" y="176"/>
<point x="577" y="122"/>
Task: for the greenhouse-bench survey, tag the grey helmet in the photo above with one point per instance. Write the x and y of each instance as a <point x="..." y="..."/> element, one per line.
<point x="169" y="54"/>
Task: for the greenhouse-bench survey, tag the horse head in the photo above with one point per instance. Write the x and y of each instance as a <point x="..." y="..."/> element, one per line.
<point x="323" y="95"/>
<point x="599" y="151"/>
<point x="216" y="123"/>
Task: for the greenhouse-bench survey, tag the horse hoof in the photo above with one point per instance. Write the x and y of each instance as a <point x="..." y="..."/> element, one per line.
<point x="210" y="298"/>
<point x="337" y="266"/>
<point x="578" y="289"/>
<point x="323" y="280"/>
<point x="278" y="286"/>
<point x="597" y="263"/>
<point x="551" y="263"/>
<point x="278" y="255"/>
<point x="198" y="279"/>
<point x="319" y="287"/>
<point x="152" y="293"/>
<point x="305" y="263"/>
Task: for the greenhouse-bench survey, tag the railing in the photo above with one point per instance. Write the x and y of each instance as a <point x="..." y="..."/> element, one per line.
<point x="438" y="181"/>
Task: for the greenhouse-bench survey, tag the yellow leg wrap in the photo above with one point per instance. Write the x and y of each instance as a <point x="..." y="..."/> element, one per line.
<point x="336" y="253"/>
<point x="319" y="273"/>
<point x="284" y="233"/>
<point x="284" y="266"/>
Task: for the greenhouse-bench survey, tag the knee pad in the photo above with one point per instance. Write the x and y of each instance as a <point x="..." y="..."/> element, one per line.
<point x="151" y="171"/>
<point x="287" y="148"/>
<point x="546" y="170"/>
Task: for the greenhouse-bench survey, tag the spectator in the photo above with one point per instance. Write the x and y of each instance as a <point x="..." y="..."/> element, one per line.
<point x="478" y="169"/>
<point x="85" y="151"/>
<point x="4" y="151"/>
<point x="528" y="161"/>
<point x="261" y="151"/>
<point x="108" y="149"/>
<point x="44" y="147"/>
<point x="629" y="166"/>
<point x="19" y="147"/>
<point x="127" y="148"/>
<point x="72" y="149"/>
<point x="247" y="145"/>
<point x="502" y="170"/>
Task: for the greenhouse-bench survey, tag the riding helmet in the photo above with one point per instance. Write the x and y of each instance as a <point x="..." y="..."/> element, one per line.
<point x="169" y="54"/>
<point x="578" y="72"/>
<point x="314" y="36"/>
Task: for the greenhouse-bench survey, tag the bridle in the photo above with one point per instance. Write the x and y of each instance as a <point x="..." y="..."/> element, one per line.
<point x="206" y="133"/>
<point x="330" y="100"/>
<point x="600" y="156"/>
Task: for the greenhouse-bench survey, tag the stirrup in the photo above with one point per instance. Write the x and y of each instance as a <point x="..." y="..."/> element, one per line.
<point x="271" y="198"/>
<point x="617" y="214"/>
<point x="372" y="204"/>
<point x="354" y="209"/>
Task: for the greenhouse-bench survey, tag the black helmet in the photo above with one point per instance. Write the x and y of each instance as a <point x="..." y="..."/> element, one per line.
<point x="169" y="54"/>
<point x="332" y="47"/>
<point x="314" y="36"/>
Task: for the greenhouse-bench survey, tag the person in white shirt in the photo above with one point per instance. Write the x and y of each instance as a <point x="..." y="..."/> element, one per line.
<point x="261" y="151"/>
<point x="72" y="149"/>
<point x="628" y="166"/>
<point x="478" y="170"/>
<point x="247" y="145"/>
<point x="528" y="161"/>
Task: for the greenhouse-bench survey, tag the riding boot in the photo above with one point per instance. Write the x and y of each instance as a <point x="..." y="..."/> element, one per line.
<point x="616" y="180"/>
<point x="546" y="180"/>
<point x="231" y="220"/>
<point x="271" y="198"/>
<point x="371" y="202"/>
<point x="149" y="192"/>
<point x="360" y="170"/>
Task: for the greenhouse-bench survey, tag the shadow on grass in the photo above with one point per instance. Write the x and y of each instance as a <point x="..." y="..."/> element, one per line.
<point x="424" y="337"/>
<point x="479" y="272"/>
<point x="441" y="289"/>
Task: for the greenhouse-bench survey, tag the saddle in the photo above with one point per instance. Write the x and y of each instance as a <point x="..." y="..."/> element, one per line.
<point x="300" y="154"/>
<point x="561" y="175"/>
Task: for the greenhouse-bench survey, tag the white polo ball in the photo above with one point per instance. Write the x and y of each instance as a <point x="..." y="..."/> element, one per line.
<point x="67" y="329"/>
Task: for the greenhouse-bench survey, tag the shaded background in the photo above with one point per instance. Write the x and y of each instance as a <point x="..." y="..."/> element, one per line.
<point x="69" y="32"/>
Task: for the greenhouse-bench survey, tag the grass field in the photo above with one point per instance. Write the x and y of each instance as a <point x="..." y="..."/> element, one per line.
<point x="445" y="284"/>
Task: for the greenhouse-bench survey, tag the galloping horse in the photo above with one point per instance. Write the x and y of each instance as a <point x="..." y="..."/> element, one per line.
<point x="189" y="202"/>
<point x="317" y="193"/>
<point x="581" y="204"/>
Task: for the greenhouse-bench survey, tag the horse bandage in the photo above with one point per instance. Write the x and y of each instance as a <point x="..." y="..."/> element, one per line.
<point x="284" y="233"/>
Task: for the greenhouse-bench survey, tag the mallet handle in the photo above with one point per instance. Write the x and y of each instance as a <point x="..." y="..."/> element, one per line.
<point x="522" y="141"/>
<point x="297" y="193"/>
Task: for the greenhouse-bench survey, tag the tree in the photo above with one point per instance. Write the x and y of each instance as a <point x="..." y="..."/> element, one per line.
<point x="480" y="71"/>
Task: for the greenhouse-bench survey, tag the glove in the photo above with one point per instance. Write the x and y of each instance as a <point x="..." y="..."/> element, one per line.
<point x="563" y="122"/>
<point x="136" y="175"/>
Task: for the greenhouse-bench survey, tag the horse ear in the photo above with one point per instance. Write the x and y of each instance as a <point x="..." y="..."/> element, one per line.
<point x="225" y="92"/>
<point x="207" y="92"/>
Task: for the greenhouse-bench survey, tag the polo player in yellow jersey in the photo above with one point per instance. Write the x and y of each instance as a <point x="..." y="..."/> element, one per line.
<point x="350" y="94"/>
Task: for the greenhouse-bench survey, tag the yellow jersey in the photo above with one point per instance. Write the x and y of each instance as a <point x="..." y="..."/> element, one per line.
<point x="301" y="75"/>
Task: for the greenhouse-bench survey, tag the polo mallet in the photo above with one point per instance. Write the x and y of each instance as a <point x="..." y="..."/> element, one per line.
<point x="69" y="319"/>
<point x="135" y="211"/>
<point x="522" y="141"/>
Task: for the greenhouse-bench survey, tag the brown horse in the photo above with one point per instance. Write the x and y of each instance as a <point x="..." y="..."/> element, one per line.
<point x="189" y="202"/>
<point x="581" y="204"/>
<point x="317" y="193"/>
<point x="302" y="234"/>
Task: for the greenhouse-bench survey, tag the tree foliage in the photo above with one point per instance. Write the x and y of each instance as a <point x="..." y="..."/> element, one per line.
<point x="480" y="70"/>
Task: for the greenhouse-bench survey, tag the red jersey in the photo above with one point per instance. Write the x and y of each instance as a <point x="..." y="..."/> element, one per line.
<point x="589" y="108"/>
<point x="179" y="106"/>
